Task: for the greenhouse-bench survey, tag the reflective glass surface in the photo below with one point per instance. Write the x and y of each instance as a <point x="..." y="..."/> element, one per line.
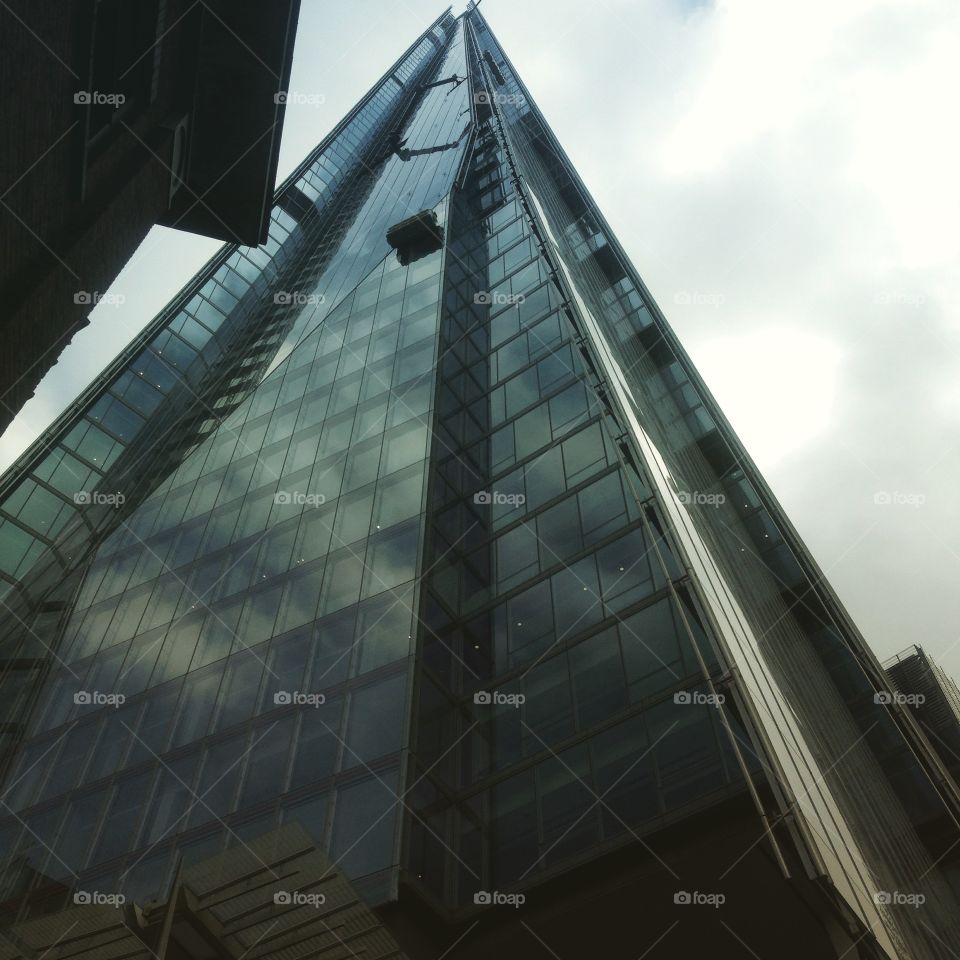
<point x="237" y="624"/>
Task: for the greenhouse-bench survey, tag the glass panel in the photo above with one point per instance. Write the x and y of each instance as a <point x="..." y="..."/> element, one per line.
<point x="317" y="745"/>
<point x="374" y="726"/>
<point x="125" y="818"/>
<point x="363" y="825"/>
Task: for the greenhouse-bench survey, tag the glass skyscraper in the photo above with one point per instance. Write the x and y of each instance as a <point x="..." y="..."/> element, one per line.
<point x="416" y="527"/>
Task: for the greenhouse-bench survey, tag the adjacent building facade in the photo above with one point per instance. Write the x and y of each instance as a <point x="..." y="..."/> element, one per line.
<point x="933" y="698"/>
<point x="119" y="116"/>
<point x="415" y="526"/>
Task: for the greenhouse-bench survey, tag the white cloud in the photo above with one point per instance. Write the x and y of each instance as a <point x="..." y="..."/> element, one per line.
<point x="777" y="386"/>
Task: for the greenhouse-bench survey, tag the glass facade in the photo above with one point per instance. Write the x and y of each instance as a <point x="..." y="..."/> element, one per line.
<point x="555" y="614"/>
<point x="450" y="558"/>
<point x="234" y="641"/>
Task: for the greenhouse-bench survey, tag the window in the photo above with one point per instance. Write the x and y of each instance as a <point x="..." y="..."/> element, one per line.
<point x="651" y="650"/>
<point x="376" y="721"/>
<point x="568" y="807"/>
<point x="178" y="649"/>
<point x="548" y="710"/>
<point x="366" y="810"/>
<point x="314" y="536"/>
<point x="77" y="833"/>
<point x="558" y="530"/>
<point x="514" y="827"/>
<point x="286" y="666"/>
<point x="399" y="496"/>
<point x="341" y="585"/>
<point x="125" y="819"/>
<point x="604" y="509"/>
<point x="172" y="799"/>
<point x="583" y="454"/>
<point x="218" y="782"/>
<point x="196" y="706"/>
<point x="517" y="555"/>
<point x="300" y="596"/>
<point x="238" y="691"/>
<point x="391" y="558"/>
<point x="153" y="730"/>
<point x="625" y="576"/>
<point x="311" y="814"/>
<point x="543" y="478"/>
<point x="625" y="775"/>
<point x="576" y="597"/>
<point x="404" y="445"/>
<point x="267" y="762"/>
<point x="385" y="631"/>
<point x="568" y="408"/>
<point x="598" y="678"/>
<point x="332" y="648"/>
<point x="688" y="758"/>
<point x="315" y="754"/>
<point x="259" y="614"/>
<point x="112" y="746"/>
<point x="217" y="635"/>
<point x="532" y="431"/>
<point x="353" y="517"/>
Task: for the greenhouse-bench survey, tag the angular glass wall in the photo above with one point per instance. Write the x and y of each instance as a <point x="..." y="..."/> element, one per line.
<point x="238" y="652"/>
<point x="219" y="620"/>
<point x="557" y="662"/>
<point x="799" y="666"/>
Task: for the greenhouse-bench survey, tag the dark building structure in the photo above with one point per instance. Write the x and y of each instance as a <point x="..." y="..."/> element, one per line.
<point x="933" y="698"/>
<point x="415" y="526"/>
<point x="120" y="115"/>
<point x="273" y="897"/>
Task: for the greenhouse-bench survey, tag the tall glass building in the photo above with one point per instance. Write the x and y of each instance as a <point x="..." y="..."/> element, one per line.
<point x="416" y="527"/>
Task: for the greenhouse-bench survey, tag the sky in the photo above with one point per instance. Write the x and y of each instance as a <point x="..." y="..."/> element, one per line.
<point x="784" y="177"/>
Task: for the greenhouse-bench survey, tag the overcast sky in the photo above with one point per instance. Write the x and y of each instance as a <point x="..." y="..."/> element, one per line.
<point x="785" y="177"/>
